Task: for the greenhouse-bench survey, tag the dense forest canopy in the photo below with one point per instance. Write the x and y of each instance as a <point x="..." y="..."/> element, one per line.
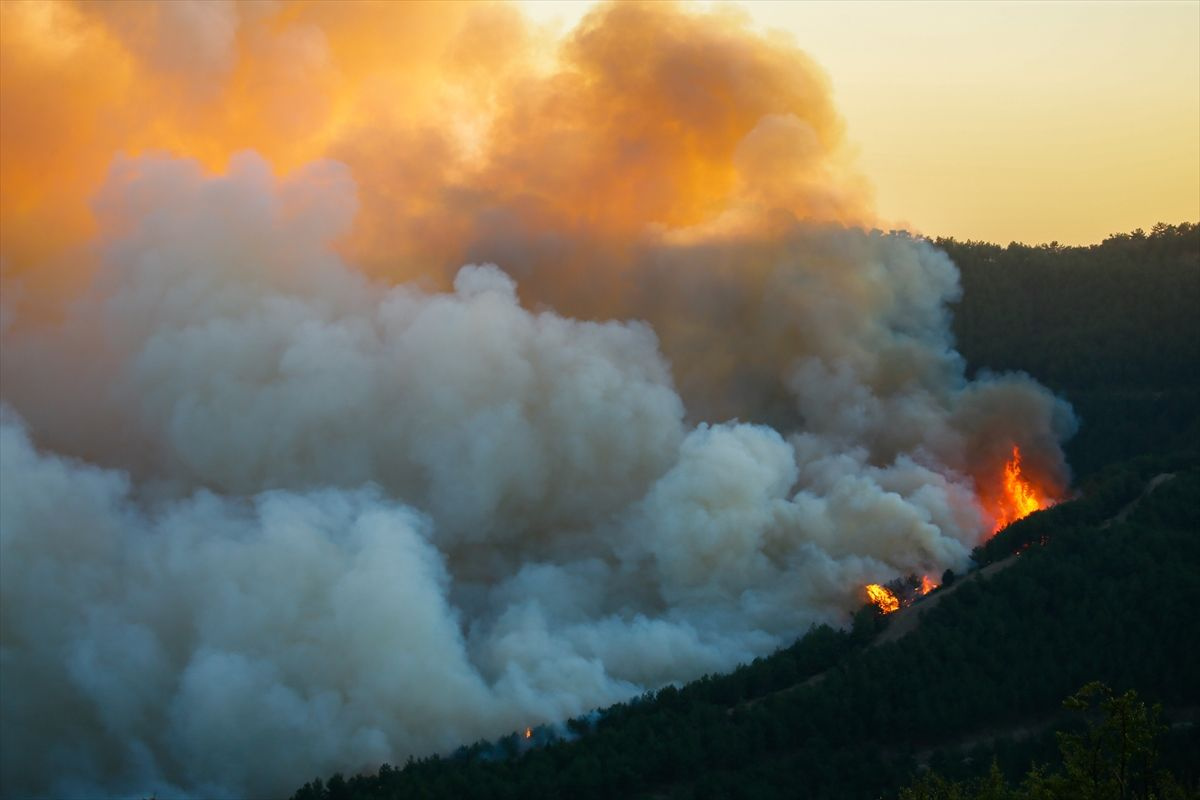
<point x="1115" y="327"/>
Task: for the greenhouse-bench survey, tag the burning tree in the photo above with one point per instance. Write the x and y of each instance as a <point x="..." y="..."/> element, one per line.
<point x="899" y="593"/>
<point x="1019" y="496"/>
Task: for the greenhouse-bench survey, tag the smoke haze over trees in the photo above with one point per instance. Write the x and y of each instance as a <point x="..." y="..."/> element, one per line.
<point x="376" y="382"/>
<point x="981" y="678"/>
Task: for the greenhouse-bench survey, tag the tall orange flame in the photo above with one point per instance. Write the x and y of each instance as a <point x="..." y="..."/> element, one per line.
<point x="1019" y="498"/>
<point x="882" y="598"/>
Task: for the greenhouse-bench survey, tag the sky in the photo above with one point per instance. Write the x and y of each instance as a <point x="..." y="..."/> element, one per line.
<point x="1030" y="122"/>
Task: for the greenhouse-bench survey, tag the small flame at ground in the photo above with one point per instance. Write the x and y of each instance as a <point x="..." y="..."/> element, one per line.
<point x="882" y="598"/>
<point x="927" y="585"/>
<point x="529" y="733"/>
<point x="1019" y="498"/>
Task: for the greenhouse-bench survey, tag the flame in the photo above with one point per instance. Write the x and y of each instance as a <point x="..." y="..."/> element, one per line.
<point x="927" y="585"/>
<point x="882" y="598"/>
<point x="1018" y="498"/>
<point x="529" y="733"/>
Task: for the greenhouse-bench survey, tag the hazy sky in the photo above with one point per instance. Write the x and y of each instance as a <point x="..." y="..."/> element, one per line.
<point x="1009" y="121"/>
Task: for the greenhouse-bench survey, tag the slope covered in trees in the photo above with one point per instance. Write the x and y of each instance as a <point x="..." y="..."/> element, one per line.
<point x="1115" y="327"/>
<point x="1106" y="588"/>
<point x="1111" y="602"/>
<point x="1115" y="757"/>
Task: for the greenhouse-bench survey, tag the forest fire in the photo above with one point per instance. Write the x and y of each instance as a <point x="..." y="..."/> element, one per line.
<point x="658" y="389"/>
<point x="883" y="599"/>
<point x="900" y="593"/>
<point x="1019" y="498"/>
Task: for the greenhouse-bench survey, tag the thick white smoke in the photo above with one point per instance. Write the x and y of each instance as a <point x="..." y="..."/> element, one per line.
<point x="329" y="523"/>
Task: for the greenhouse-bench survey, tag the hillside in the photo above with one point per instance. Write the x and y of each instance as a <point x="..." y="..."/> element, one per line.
<point x="1104" y="587"/>
<point x="1114" y="327"/>
<point x="993" y="659"/>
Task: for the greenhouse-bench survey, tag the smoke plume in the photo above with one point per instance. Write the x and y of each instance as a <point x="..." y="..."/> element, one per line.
<point x="380" y="378"/>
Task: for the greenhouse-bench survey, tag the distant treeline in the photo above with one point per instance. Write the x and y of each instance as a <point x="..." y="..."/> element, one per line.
<point x="1115" y="327"/>
<point x="1114" y="602"/>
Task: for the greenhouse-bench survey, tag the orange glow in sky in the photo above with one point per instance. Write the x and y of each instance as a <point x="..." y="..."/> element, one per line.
<point x="1030" y="122"/>
<point x="1004" y="121"/>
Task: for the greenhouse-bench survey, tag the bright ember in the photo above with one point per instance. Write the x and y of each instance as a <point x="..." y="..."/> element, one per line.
<point x="882" y="598"/>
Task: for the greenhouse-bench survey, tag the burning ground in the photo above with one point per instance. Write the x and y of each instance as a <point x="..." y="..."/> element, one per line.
<point x="285" y="482"/>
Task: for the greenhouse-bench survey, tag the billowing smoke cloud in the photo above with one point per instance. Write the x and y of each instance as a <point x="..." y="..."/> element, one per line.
<point x="287" y="489"/>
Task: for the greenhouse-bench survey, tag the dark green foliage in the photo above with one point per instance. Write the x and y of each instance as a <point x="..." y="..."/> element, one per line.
<point x="1115" y="327"/>
<point x="1105" y="496"/>
<point x="995" y="655"/>
<point x="1115" y="757"/>
<point x="1119" y="313"/>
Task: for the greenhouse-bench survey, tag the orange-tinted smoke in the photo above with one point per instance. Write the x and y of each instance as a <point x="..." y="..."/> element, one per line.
<point x="652" y="121"/>
<point x="467" y="130"/>
<point x="81" y="83"/>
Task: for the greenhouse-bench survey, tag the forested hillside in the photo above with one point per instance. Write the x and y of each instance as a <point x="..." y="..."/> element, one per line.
<point x="1115" y="327"/>
<point x="1105" y="588"/>
<point x="1110" y="602"/>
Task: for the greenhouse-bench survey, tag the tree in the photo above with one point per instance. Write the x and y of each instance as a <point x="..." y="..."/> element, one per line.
<point x="1114" y="758"/>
